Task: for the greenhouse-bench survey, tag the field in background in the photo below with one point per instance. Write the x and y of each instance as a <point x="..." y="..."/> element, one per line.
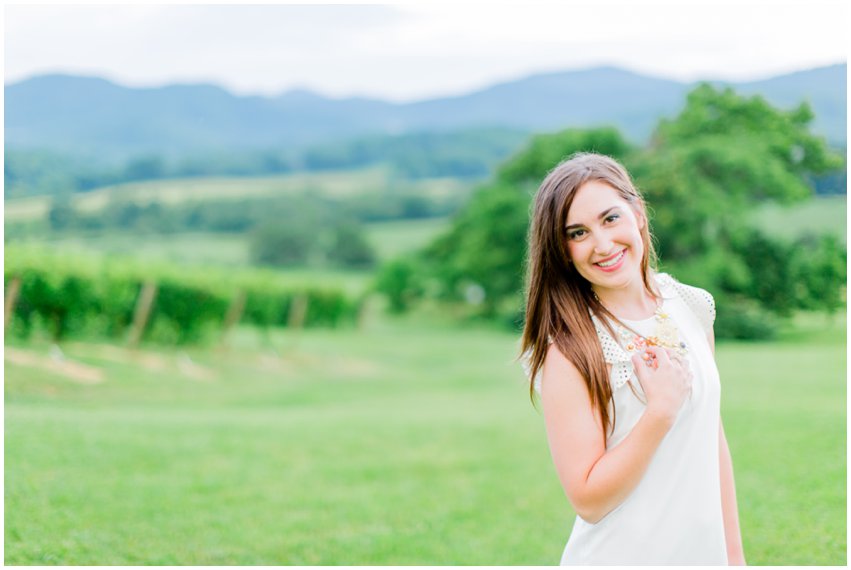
<point x="396" y="238"/>
<point x="400" y="443"/>
<point x="197" y="248"/>
<point x="180" y="191"/>
<point x="389" y="239"/>
<point x="823" y="215"/>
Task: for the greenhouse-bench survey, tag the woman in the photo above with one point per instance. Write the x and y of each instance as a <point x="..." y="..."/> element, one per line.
<point x="623" y="358"/>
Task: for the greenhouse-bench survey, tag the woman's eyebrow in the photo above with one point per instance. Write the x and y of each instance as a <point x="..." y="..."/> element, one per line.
<point x="600" y="217"/>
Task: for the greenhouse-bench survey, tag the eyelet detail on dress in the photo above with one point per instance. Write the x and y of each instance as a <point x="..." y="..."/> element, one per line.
<point x="700" y="301"/>
<point x="614" y="354"/>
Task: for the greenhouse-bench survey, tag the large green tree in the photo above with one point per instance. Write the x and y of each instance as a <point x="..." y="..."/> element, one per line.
<point x="706" y="169"/>
<point x="704" y="173"/>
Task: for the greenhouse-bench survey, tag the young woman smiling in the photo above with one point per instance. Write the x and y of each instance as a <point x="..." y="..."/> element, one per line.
<point x="623" y="359"/>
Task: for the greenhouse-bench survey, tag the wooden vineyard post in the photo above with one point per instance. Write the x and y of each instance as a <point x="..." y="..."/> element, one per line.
<point x="298" y="310"/>
<point x="295" y="319"/>
<point x="12" y="291"/>
<point x="237" y="306"/>
<point x="142" y="312"/>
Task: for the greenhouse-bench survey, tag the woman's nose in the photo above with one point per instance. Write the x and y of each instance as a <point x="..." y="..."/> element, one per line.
<point x="602" y="244"/>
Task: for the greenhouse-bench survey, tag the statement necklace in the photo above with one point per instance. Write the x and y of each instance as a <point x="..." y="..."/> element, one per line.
<point x="667" y="334"/>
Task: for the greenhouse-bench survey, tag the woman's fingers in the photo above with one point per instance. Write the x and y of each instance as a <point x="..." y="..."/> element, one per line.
<point x="655" y="356"/>
<point x="665" y="377"/>
<point x="652" y="357"/>
<point x="676" y="357"/>
<point x="639" y="363"/>
<point x="658" y="355"/>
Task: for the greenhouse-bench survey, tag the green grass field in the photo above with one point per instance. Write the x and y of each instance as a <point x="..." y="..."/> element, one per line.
<point x="194" y="248"/>
<point x="393" y="239"/>
<point x="825" y="214"/>
<point x="395" y="444"/>
<point x="389" y="239"/>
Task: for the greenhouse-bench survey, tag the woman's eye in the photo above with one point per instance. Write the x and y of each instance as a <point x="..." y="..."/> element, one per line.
<point x="576" y="234"/>
<point x="612" y="217"/>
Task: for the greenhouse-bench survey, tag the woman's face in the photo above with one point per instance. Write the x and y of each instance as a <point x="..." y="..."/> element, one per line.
<point x="604" y="238"/>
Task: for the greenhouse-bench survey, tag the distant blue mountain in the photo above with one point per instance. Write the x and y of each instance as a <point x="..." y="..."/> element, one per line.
<point x="93" y="116"/>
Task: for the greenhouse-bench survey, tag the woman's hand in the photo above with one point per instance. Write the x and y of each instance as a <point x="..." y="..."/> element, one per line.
<point x="665" y="378"/>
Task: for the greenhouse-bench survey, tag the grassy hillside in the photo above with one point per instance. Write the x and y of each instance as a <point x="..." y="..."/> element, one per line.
<point x="392" y="239"/>
<point x="178" y="191"/>
<point x="396" y="444"/>
<point x="824" y="214"/>
<point x="186" y="248"/>
<point x="388" y="238"/>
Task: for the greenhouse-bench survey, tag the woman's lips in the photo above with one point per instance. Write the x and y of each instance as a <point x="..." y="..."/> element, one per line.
<point x="613" y="263"/>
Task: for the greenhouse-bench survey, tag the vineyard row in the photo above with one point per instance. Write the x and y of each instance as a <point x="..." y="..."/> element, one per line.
<point x="73" y="296"/>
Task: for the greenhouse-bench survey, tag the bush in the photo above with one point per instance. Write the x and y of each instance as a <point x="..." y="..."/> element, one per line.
<point x="741" y="318"/>
<point x="398" y="281"/>
<point x="350" y="248"/>
<point x="821" y="264"/>
<point x="184" y="313"/>
<point x="282" y="243"/>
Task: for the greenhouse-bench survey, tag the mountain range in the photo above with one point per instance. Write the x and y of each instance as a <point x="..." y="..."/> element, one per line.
<point x="96" y="117"/>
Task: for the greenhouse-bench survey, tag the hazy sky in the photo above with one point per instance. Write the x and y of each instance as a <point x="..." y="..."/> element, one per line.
<point x="415" y="50"/>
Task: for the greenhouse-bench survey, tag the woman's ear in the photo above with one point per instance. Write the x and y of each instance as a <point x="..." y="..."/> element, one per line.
<point x="642" y="220"/>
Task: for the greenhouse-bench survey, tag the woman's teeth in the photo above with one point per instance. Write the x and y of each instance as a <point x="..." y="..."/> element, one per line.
<point x="613" y="261"/>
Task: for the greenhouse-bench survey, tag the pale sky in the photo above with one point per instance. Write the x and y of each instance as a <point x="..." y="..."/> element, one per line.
<point x="412" y="50"/>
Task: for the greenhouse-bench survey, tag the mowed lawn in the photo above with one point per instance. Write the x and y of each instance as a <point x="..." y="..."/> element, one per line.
<point x="395" y="444"/>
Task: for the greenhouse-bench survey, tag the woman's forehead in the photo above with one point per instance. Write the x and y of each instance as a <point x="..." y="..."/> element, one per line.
<point x="592" y="199"/>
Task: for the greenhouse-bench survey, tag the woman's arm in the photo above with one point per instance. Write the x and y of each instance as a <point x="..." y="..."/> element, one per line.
<point x="596" y="480"/>
<point x="729" y="506"/>
<point x="735" y="551"/>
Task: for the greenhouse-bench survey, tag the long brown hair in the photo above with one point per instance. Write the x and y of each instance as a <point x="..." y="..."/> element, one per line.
<point x="558" y="298"/>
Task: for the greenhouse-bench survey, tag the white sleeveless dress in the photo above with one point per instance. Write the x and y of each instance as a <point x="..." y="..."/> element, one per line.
<point x="674" y="514"/>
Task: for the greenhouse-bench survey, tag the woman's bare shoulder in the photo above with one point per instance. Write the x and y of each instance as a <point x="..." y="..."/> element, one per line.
<point x="561" y="377"/>
<point x="568" y="411"/>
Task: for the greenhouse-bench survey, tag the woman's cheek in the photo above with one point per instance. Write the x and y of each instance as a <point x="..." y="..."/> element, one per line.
<point x="574" y="249"/>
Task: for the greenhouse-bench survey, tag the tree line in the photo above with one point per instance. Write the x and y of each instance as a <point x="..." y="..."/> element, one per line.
<point x="238" y="216"/>
<point x="466" y="154"/>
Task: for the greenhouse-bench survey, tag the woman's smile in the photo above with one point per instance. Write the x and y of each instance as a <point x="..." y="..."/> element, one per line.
<point x="613" y="262"/>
